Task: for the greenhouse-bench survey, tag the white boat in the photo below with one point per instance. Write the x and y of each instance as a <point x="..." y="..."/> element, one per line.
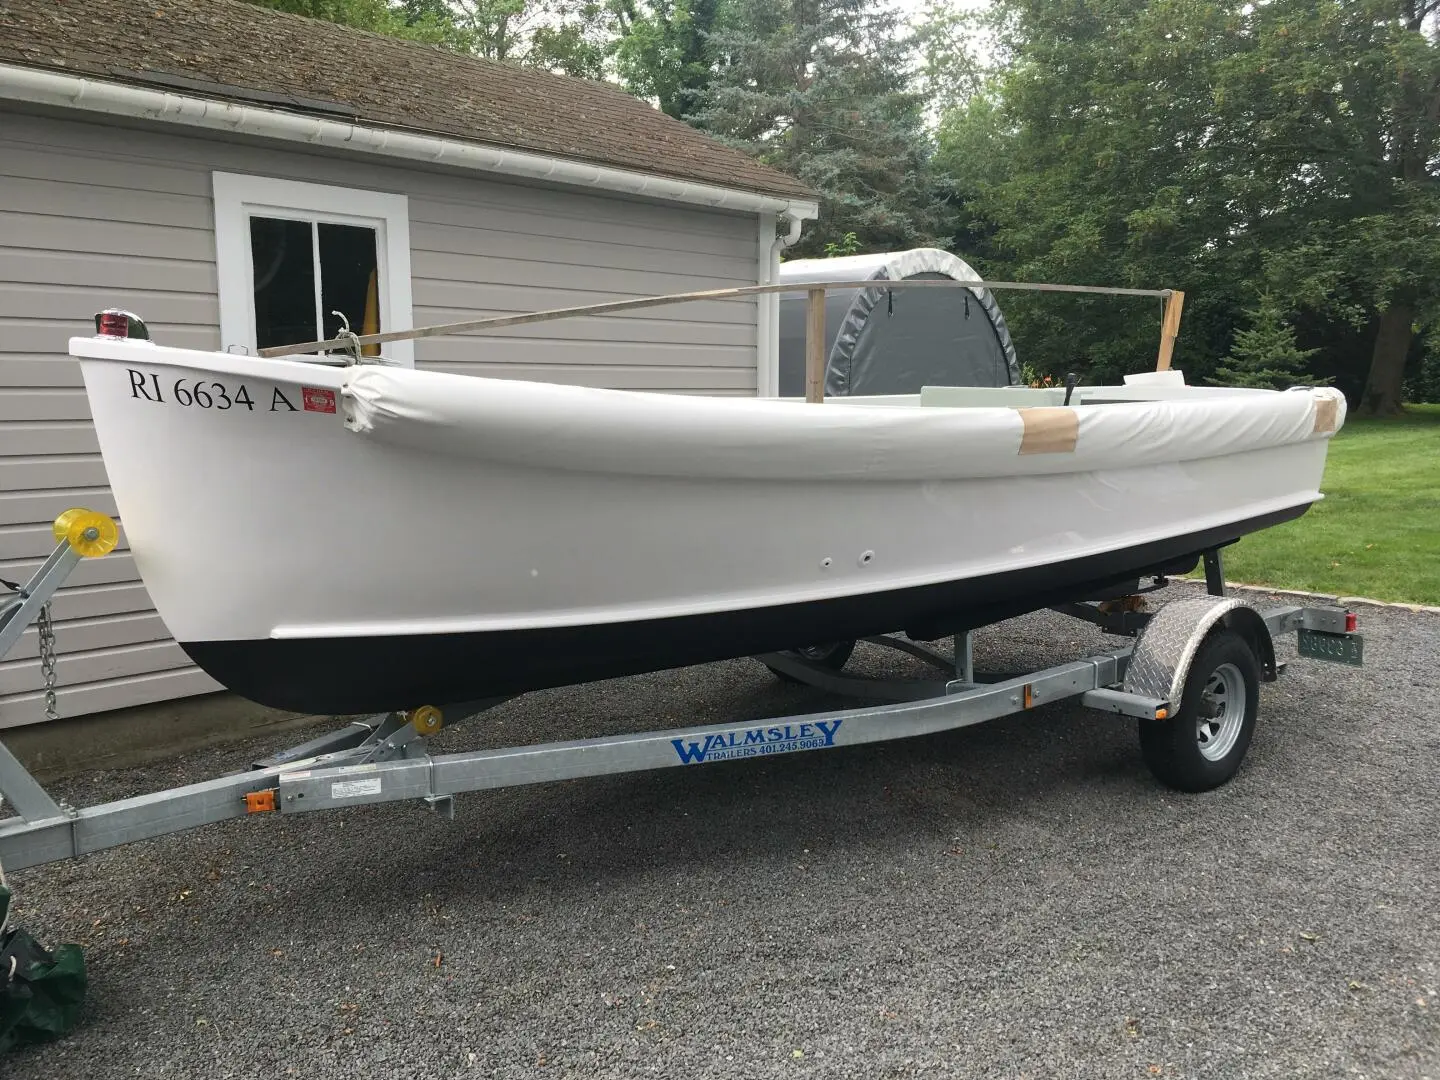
<point x="365" y="538"/>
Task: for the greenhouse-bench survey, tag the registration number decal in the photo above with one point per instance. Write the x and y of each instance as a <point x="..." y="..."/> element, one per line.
<point x="191" y="393"/>
<point x="318" y="399"/>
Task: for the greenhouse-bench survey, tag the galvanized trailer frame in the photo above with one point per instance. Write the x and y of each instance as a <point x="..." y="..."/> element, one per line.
<point x="388" y="758"/>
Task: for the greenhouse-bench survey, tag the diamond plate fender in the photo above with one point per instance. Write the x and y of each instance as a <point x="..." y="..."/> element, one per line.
<point x="1162" y="657"/>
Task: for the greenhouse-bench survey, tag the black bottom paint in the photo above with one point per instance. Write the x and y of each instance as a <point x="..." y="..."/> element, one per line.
<point x="378" y="674"/>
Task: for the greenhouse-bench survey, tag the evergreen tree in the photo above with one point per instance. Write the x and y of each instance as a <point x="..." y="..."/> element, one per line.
<point x="821" y="89"/>
<point x="1264" y="355"/>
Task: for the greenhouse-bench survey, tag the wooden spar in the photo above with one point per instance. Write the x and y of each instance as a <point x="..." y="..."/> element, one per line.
<point x="815" y="346"/>
<point x="1169" y="328"/>
<point x="613" y="306"/>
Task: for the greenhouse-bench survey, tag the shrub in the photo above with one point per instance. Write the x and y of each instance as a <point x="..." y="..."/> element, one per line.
<point x="1265" y="354"/>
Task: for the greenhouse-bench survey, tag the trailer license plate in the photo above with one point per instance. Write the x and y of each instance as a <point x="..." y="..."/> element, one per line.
<point x="1338" y="648"/>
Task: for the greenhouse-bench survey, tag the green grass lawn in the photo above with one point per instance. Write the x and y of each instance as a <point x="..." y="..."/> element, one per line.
<point x="1377" y="531"/>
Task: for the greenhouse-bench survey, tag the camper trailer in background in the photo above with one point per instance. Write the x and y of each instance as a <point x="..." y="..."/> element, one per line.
<point x="883" y="341"/>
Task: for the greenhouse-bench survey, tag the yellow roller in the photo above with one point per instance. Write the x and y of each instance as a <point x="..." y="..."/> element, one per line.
<point x="89" y="532"/>
<point x="427" y="719"/>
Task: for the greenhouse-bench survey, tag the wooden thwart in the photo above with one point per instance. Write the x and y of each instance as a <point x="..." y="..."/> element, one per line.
<point x="1169" y="328"/>
<point x="815" y="352"/>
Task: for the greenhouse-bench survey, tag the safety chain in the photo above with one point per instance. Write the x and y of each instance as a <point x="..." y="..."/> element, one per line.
<point x="47" y="660"/>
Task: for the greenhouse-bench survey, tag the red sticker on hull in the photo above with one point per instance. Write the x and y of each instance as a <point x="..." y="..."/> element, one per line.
<point x="318" y="399"/>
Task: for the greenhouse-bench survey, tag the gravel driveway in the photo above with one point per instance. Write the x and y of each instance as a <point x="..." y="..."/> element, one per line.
<point x="1018" y="899"/>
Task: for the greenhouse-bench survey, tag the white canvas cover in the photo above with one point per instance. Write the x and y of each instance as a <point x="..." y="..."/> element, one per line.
<point x="582" y="429"/>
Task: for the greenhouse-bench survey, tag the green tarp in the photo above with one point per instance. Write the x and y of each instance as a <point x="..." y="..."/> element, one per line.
<point x="40" y="991"/>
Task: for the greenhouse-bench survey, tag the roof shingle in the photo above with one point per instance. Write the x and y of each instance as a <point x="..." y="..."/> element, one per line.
<point x="237" y="51"/>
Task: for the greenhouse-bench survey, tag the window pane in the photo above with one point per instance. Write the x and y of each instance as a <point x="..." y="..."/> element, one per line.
<point x="349" y="279"/>
<point x="284" y="257"/>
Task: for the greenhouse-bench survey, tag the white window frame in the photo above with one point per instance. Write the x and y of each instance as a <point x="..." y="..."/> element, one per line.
<point x="239" y="197"/>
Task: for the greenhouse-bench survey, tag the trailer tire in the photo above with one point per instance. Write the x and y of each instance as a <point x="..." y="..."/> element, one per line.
<point x="833" y="656"/>
<point x="1202" y="745"/>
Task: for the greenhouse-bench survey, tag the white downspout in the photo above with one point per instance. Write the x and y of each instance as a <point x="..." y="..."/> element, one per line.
<point x="767" y="380"/>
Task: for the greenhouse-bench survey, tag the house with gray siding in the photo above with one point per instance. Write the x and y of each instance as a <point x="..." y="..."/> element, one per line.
<point x="234" y="174"/>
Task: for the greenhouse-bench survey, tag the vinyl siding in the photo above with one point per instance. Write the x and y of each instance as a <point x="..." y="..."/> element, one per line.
<point x="94" y="215"/>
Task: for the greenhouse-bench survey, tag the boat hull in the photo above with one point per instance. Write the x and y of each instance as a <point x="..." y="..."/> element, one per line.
<point x="352" y="540"/>
<point x="374" y="674"/>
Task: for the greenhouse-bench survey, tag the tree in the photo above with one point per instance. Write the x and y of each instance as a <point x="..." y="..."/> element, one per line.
<point x="422" y="20"/>
<point x="948" y="40"/>
<point x="568" y="36"/>
<point x="574" y="38"/>
<point x="1341" y="102"/>
<point x="1085" y="161"/>
<point x="1225" y="148"/>
<point x="821" y="89"/>
<point x="1264" y="354"/>
<point x="662" y="51"/>
<point x="1422" y="382"/>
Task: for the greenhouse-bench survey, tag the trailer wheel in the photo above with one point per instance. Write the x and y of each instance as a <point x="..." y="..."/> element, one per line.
<point x="1202" y="745"/>
<point x="832" y="656"/>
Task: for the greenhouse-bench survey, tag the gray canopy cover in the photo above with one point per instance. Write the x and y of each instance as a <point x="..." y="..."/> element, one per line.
<point x="894" y="341"/>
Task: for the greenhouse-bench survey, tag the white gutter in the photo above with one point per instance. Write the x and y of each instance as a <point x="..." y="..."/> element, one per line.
<point x="118" y="99"/>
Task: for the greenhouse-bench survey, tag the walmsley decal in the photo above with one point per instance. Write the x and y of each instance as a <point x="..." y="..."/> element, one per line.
<point x="754" y="742"/>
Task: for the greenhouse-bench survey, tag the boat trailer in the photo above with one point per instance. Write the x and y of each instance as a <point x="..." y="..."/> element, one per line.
<point x="1191" y="678"/>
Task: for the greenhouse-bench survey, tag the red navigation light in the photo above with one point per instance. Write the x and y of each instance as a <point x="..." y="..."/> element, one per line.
<point x="112" y="324"/>
<point x="118" y="323"/>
